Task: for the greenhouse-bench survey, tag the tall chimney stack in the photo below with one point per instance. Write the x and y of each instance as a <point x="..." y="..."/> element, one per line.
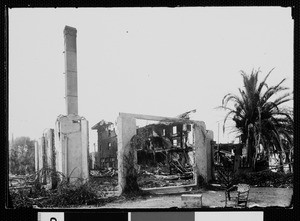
<point x="71" y="94"/>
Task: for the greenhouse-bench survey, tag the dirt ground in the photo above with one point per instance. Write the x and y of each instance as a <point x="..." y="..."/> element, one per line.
<point x="258" y="197"/>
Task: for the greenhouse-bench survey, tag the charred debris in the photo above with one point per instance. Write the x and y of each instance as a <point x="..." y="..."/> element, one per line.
<point x="165" y="154"/>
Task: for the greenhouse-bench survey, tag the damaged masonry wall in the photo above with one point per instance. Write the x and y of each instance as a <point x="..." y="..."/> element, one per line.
<point x="126" y="125"/>
<point x="64" y="150"/>
<point x="45" y="156"/>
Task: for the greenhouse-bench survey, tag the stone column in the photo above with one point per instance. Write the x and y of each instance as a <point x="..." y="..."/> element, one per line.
<point x="126" y="129"/>
<point x="71" y="70"/>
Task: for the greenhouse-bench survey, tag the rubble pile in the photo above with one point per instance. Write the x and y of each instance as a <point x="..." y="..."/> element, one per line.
<point x="107" y="172"/>
<point x="165" y="155"/>
<point x="158" y="178"/>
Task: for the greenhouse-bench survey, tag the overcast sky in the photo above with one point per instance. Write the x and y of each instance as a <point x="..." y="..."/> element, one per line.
<point x="156" y="61"/>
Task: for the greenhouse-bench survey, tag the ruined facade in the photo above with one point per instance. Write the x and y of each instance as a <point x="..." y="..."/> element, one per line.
<point x="166" y="144"/>
<point x="177" y="137"/>
<point x="201" y="144"/>
<point x="107" y="145"/>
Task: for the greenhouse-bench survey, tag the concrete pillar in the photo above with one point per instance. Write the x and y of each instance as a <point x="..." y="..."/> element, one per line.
<point x="49" y="148"/>
<point x="49" y="159"/>
<point x="210" y="152"/>
<point x="203" y="150"/>
<point x="92" y="166"/>
<point x="59" y="151"/>
<point x="71" y="96"/>
<point x="84" y="148"/>
<point x="41" y="158"/>
<point x="71" y="142"/>
<point x="36" y="156"/>
<point x="126" y="129"/>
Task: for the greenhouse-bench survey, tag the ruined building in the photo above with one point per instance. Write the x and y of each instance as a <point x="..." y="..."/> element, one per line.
<point x="180" y="145"/>
<point x="178" y="136"/>
<point x="107" y="145"/>
<point x="68" y="154"/>
<point x="71" y="132"/>
<point x="163" y="142"/>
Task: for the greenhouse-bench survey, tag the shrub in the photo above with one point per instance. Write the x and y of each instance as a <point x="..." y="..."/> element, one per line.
<point x="72" y="194"/>
<point x="64" y="196"/>
<point x="20" y="199"/>
<point x="266" y="179"/>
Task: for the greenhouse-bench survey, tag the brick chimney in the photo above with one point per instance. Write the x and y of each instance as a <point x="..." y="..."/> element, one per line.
<point x="71" y="94"/>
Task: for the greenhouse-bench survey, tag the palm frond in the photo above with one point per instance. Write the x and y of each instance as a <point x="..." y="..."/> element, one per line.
<point x="259" y="120"/>
<point x="263" y="83"/>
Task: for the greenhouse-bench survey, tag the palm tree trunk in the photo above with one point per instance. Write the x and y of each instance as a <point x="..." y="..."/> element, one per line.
<point x="249" y="152"/>
<point x="287" y="158"/>
<point x="281" y="156"/>
<point x="280" y="162"/>
<point x="237" y="160"/>
<point x="249" y="145"/>
<point x="257" y="149"/>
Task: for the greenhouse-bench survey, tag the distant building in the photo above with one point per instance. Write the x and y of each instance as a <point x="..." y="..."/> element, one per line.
<point x="179" y="136"/>
<point x="178" y="133"/>
<point x="107" y="145"/>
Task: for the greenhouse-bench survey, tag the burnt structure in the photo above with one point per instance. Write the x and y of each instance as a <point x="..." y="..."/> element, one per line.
<point x="107" y="145"/>
<point x="129" y="142"/>
<point x="71" y="130"/>
<point x="166" y="144"/>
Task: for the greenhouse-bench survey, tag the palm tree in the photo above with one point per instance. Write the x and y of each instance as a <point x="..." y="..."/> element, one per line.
<point x="288" y="141"/>
<point x="258" y="117"/>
